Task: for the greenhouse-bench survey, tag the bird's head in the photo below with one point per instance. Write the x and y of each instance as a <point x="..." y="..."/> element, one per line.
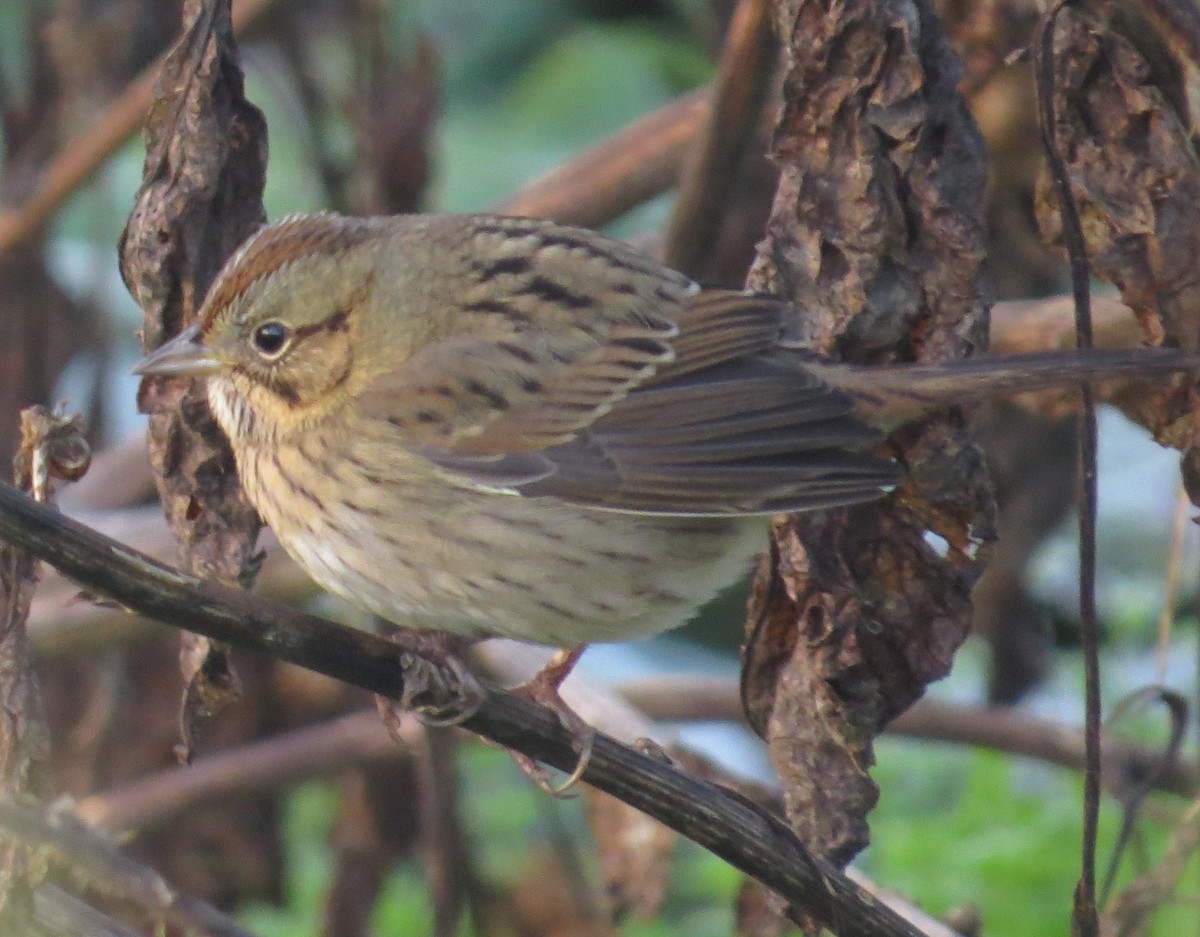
<point x="282" y="334"/>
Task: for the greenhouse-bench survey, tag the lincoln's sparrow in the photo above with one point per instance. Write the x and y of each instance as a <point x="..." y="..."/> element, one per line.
<point x="488" y="425"/>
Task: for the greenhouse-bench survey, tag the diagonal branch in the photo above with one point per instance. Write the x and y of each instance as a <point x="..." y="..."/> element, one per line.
<point x="743" y="834"/>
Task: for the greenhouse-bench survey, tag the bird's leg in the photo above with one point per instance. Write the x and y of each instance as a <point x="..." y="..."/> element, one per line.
<point x="438" y="687"/>
<point x="543" y="689"/>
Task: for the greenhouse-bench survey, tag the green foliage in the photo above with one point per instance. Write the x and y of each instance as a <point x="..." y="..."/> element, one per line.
<point x="403" y="906"/>
<point x="484" y="43"/>
<point x="957" y="827"/>
<point x="595" y="79"/>
<point x="507" y="822"/>
<point x="953" y="827"/>
<point x="308" y="819"/>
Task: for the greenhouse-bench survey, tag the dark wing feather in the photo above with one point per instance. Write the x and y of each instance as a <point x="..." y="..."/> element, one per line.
<point x="754" y="436"/>
<point x="721" y="429"/>
<point x="722" y="325"/>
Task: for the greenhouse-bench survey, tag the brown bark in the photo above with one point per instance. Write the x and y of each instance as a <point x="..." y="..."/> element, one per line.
<point x="877" y="235"/>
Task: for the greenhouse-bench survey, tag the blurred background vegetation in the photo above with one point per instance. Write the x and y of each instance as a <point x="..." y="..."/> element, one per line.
<point x="454" y="104"/>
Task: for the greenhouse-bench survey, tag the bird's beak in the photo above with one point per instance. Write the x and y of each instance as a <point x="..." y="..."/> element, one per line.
<point x="184" y="355"/>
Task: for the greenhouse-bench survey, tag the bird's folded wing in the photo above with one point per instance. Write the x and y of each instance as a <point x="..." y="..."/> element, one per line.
<point x="689" y="416"/>
<point x="751" y="436"/>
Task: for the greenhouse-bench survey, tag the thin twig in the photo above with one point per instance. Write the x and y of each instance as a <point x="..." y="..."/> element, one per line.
<point x="1134" y="798"/>
<point x="1130" y="910"/>
<point x="707" y="186"/>
<point x="52" y="450"/>
<point x="300" y="59"/>
<point x="58" y="913"/>
<point x="450" y="861"/>
<point x="748" y="837"/>
<point x="1008" y="730"/>
<point x="354" y="740"/>
<point x="1085" y="919"/>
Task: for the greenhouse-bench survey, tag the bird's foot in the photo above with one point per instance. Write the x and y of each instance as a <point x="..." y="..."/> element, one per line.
<point x="438" y="686"/>
<point x="543" y="689"/>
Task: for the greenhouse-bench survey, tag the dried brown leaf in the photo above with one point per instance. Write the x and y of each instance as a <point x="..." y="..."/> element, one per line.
<point x="201" y="196"/>
<point x="1124" y="133"/>
<point x="877" y="235"/>
<point x="210" y="683"/>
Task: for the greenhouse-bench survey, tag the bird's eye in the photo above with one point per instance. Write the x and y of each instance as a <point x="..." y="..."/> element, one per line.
<point x="271" y="338"/>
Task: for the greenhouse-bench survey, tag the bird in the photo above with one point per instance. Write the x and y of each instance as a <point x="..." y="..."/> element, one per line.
<point x="477" y="425"/>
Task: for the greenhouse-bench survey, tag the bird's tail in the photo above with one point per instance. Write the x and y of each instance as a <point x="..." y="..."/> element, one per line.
<point x="895" y="394"/>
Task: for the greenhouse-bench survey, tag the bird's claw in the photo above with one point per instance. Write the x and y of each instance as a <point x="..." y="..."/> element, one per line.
<point x="439" y="689"/>
<point x="534" y="770"/>
<point x="543" y="689"/>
